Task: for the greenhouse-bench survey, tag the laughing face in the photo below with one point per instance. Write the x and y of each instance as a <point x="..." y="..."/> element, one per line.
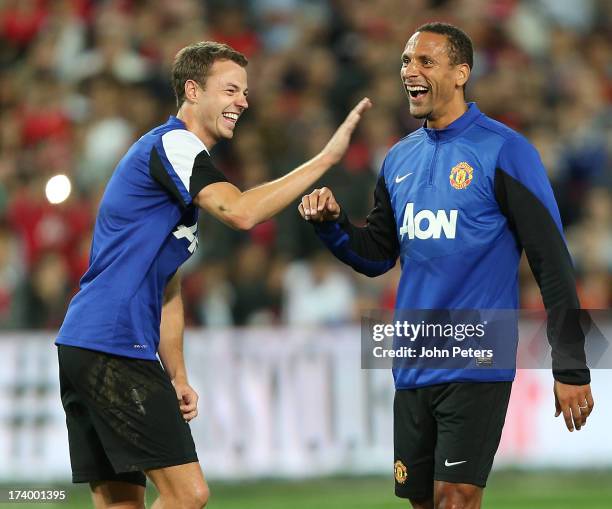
<point x="433" y="84"/>
<point x="221" y="101"/>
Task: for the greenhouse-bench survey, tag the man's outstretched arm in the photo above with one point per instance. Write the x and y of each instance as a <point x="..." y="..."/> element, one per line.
<point x="372" y="249"/>
<point x="243" y="210"/>
<point x="526" y="199"/>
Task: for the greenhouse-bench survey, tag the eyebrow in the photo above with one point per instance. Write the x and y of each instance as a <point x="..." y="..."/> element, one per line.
<point x="419" y="57"/>
<point x="236" y="87"/>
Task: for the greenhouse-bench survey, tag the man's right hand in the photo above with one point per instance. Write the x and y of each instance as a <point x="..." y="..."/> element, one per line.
<point x="319" y="206"/>
<point x="339" y="142"/>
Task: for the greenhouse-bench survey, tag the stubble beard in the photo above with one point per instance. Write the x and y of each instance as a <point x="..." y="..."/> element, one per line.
<point x="423" y="114"/>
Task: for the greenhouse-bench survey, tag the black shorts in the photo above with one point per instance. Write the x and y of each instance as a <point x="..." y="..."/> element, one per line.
<point x="448" y="432"/>
<point x="123" y="417"/>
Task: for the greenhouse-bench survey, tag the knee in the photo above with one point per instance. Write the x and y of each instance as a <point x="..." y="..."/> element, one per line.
<point x="422" y="504"/>
<point x="199" y="497"/>
<point x="457" y="496"/>
<point x="203" y="495"/>
<point x="195" y="498"/>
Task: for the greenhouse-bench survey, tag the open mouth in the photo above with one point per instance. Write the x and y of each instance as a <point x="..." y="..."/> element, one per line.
<point x="417" y="91"/>
<point x="231" y="117"/>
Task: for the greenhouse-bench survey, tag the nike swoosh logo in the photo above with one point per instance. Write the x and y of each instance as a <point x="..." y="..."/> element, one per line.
<point x="398" y="179"/>
<point x="452" y="464"/>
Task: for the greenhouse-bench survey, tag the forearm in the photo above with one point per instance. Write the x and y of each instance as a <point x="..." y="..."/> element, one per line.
<point x="372" y="249"/>
<point x="243" y="210"/>
<point x="171" y="338"/>
<point x="356" y="247"/>
<point x="266" y="200"/>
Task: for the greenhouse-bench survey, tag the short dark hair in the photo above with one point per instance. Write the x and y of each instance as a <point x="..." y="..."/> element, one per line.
<point x="460" y="49"/>
<point x="194" y="61"/>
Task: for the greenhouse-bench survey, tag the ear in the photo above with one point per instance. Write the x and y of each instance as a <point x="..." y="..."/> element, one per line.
<point x="463" y="74"/>
<point x="191" y="91"/>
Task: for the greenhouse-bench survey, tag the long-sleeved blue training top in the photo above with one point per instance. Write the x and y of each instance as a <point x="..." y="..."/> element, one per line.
<point x="458" y="205"/>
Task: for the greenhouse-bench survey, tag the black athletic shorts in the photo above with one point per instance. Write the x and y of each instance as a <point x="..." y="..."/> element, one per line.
<point x="448" y="432"/>
<point x="122" y="415"/>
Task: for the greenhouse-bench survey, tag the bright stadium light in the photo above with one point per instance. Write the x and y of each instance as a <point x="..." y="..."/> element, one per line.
<point x="58" y="189"/>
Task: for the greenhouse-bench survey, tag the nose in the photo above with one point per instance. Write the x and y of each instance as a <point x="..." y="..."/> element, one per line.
<point x="242" y="102"/>
<point x="408" y="70"/>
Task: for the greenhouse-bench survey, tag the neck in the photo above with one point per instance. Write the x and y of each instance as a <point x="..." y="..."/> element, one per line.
<point x="454" y="111"/>
<point x="187" y="115"/>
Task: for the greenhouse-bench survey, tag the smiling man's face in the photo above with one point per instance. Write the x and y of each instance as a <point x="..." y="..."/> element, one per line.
<point x="221" y="101"/>
<point x="429" y="78"/>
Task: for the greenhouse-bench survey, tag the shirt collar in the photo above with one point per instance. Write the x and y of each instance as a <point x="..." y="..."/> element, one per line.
<point x="454" y="128"/>
<point x="175" y="121"/>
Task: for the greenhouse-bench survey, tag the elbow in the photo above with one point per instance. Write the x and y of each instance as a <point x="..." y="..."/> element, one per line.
<point x="226" y="206"/>
<point x="240" y="222"/>
<point x="244" y="225"/>
<point x="238" y="216"/>
<point x="235" y="217"/>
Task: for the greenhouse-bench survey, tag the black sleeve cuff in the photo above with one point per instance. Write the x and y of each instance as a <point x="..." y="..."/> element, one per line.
<point x="572" y="377"/>
<point x="329" y="226"/>
<point x="566" y="333"/>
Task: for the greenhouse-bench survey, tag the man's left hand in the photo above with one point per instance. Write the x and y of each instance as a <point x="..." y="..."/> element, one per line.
<point x="187" y="398"/>
<point x="575" y="402"/>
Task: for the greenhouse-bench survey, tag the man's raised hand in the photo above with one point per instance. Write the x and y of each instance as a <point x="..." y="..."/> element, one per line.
<point x="339" y="142"/>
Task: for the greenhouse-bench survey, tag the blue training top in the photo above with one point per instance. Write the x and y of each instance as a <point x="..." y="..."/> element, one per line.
<point x="457" y="206"/>
<point x="145" y="229"/>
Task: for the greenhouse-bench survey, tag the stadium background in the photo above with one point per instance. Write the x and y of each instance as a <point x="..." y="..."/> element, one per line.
<point x="80" y="80"/>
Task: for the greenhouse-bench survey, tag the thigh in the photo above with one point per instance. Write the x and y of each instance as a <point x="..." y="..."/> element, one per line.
<point x="133" y="408"/>
<point x="470" y="418"/>
<point x="414" y="432"/>
<point x="88" y="458"/>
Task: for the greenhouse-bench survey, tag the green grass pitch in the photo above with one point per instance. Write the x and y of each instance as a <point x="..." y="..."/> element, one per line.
<point x="506" y="490"/>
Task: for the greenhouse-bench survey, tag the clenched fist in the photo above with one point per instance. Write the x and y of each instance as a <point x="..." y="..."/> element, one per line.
<point x="319" y="206"/>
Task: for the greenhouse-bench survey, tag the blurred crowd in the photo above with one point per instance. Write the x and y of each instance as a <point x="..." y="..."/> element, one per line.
<point x="81" y="80"/>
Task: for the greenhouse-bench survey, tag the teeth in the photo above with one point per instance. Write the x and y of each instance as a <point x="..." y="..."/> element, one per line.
<point x="231" y="116"/>
<point x="417" y="89"/>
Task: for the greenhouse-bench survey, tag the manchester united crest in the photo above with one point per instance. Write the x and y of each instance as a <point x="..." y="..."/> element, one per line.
<point x="401" y="474"/>
<point x="461" y="175"/>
